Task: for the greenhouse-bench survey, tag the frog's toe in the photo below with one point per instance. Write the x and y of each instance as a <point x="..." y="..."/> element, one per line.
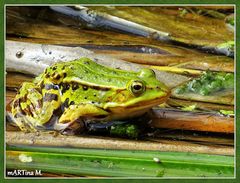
<point x="23" y="121"/>
<point x="25" y="124"/>
<point x="70" y="128"/>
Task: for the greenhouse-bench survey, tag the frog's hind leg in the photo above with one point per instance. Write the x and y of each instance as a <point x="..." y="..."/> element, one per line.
<point x="23" y="109"/>
<point x="32" y="108"/>
<point x="72" y="117"/>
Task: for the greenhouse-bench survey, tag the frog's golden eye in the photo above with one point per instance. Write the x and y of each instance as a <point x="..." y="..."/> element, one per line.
<point x="137" y="87"/>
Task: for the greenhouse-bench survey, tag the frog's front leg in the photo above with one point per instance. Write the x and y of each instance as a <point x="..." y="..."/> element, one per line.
<point x="72" y="117"/>
<point x="34" y="106"/>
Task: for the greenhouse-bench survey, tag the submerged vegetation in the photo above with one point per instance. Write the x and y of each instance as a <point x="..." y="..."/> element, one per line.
<point x="208" y="83"/>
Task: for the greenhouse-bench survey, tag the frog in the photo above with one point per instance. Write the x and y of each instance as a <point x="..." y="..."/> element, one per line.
<point x="68" y="93"/>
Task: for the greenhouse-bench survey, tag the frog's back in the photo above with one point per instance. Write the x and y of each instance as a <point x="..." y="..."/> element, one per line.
<point x="87" y="72"/>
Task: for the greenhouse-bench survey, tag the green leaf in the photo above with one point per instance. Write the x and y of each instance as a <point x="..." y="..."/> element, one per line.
<point x="228" y="45"/>
<point x="119" y="163"/>
<point x="189" y="108"/>
<point x="228" y="113"/>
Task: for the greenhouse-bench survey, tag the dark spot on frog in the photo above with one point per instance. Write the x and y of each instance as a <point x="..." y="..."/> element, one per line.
<point x="31" y="107"/>
<point x="50" y="97"/>
<point x="51" y="86"/>
<point x="47" y="75"/>
<point x="66" y="101"/>
<point x="64" y="74"/>
<point x="75" y="86"/>
<point x="23" y="99"/>
<point x="65" y="104"/>
<point x="27" y="111"/>
<point x="86" y="62"/>
<point x="57" y="77"/>
<point x="72" y="103"/>
<point x="54" y="68"/>
<point x="38" y="89"/>
<point x="54" y="73"/>
<point x="39" y="104"/>
<point x="23" y="112"/>
<point x="16" y="103"/>
<point x="85" y="87"/>
<point x="109" y="80"/>
<point x="42" y="85"/>
<point x="49" y="52"/>
<point x="19" y="54"/>
<point x="85" y="98"/>
<point x="100" y="88"/>
<point x="65" y="87"/>
<point x="94" y="95"/>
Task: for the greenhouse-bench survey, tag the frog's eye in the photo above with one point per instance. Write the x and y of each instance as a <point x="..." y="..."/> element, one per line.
<point x="137" y="87"/>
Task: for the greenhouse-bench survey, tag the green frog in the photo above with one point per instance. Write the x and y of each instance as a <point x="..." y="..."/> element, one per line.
<point x="81" y="90"/>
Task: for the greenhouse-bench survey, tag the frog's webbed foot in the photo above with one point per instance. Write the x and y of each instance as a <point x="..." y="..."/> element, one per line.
<point x="31" y="109"/>
<point x="72" y="119"/>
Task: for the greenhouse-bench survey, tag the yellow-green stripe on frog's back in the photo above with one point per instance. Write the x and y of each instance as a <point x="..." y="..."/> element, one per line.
<point x="87" y="72"/>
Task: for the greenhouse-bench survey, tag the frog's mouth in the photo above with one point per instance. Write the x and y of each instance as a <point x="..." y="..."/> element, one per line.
<point x="140" y="106"/>
<point x="148" y="104"/>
